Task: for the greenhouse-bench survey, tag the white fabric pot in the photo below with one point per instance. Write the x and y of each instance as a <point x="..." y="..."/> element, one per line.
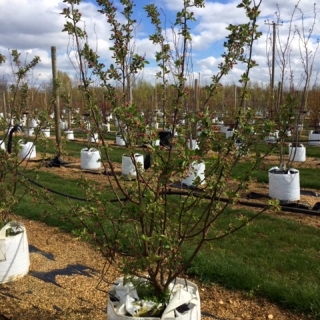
<point x="229" y="133"/>
<point x="69" y="134"/>
<point x="273" y="137"/>
<point x="46" y="132"/>
<point x="224" y="129"/>
<point x="14" y="253"/>
<point x="33" y="123"/>
<point x="195" y="170"/>
<point x="314" y="139"/>
<point x="63" y="125"/>
<point x="27" y="151"/>
<point x="183" y="293"/>
<point x="90" y="158"/>
<point x="156" y="143"/>
<point x="300" y="127"/>
<point x="105" y="126"/>
<point x="2" y="145"/>
<point x="297" y="153"/>
<point x="284" y="186"/>
<point x="24" y="120"/>
<point x="128" y="167"/>
<point x="93" y="138"/>
<point x="193" y="145"/>
<point x="120" y="141"/>
<point x="28" y="132"/>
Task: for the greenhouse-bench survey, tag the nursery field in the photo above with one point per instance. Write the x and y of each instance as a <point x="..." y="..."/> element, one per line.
<point x="64" y="282"/>
<point x="68" y="279"/>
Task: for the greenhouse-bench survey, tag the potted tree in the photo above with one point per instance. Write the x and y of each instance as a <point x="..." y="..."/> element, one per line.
<point x="155" y="228"/>
<point x="14" y="250"/>
<point x="288" y="105"/>
<point x="314" y="134"/>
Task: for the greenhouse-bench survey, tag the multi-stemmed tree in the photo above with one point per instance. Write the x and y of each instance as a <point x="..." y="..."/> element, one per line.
<point x="145" y="231"/>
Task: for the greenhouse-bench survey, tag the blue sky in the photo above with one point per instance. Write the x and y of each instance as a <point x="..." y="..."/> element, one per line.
<point x="36" y="25"/>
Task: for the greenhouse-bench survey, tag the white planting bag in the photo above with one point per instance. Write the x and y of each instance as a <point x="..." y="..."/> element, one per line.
<point x="14" y="253"/>
<point x="284" y="186"/>
<point x="183" y="291"/>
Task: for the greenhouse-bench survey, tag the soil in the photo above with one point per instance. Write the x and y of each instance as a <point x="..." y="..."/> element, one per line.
<point x="68" y="278"/>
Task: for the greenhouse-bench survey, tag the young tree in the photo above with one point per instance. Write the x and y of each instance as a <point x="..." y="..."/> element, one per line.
<point x="11" y="164"/>
<point x="155" y="217"/>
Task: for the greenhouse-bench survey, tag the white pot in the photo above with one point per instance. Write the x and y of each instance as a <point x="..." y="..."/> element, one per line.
<point x="183" y="292"/>
<point x="229" y="133"/>
<point x="284" y="186"/>
<point x="105" y="126"/>
<point x="33" y="123"/>
<point x="300" y="127"/>
<point x="156" y="143"/>
<point x="93" y="138"/>
<point x="69" y="134"/>
<point x="128" y="167"/>
<point x="297" y="153"/>
<point x="24" y="120"/>
<point x="46" y="132"/>
<point x="314" y="139"/>
<point x="2" y="145"/>
<point x="14" y="253"/>
<point x="90" y="158"/>
<point x="273" y="137"/>
<point x="193" y="145"/>
<point x="195" y="170"/>
<point x="63" y="125"/>
<point x="119" y="140"/>
<point x="224" y="129"/>
<point x="27" y="150"/>
<point x="28" y="132"/>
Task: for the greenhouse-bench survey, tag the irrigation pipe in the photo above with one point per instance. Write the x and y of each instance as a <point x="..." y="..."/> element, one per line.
<point x="284" y="208"/>
<point x="60" y="193"/>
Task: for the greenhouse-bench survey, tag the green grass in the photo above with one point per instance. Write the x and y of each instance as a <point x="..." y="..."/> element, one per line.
<point x="274" y="258"/>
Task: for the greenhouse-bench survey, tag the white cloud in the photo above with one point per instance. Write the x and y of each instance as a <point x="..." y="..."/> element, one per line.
<point x="34" y="26"/>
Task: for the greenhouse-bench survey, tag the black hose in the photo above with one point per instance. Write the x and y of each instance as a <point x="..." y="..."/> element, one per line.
<point x="285" y="208"/>
<point x="18" y="128"/>
<point x="63" y="194"/>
